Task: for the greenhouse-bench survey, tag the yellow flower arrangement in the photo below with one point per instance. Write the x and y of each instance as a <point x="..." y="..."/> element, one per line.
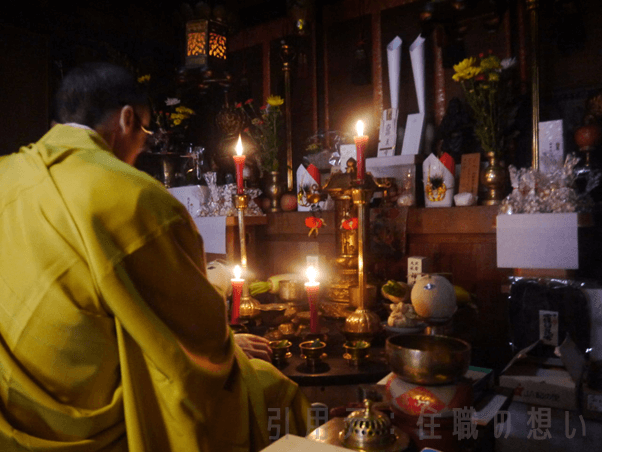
<point x="487" y="86"/>
<point x="274" y="100"/>
<point x="264" y="129"/>
<point x="466" y="69"/>
<point x="180" y="115"/>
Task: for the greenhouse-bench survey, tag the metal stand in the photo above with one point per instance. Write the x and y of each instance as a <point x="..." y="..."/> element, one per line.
<point x="363" y="324"/>
<point x="248" y="305"/>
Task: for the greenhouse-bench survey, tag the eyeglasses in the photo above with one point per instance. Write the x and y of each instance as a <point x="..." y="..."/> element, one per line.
<point x="143" y="128"/>
<point x="147" y="131"/>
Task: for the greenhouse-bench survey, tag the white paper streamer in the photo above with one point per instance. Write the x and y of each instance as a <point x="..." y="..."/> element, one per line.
<point x="393" y="65"/>
<point x="415" y="122"/>
<point x="416" y="51"/>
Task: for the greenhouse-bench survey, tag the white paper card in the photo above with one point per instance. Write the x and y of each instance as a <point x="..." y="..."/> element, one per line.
<point x="388" y="132"/>
<point x="413" y="134"/>
<point x="551" y="146"/>
<point x="212" y="230"/>
<point x="416" y="265"/>
<point x="538" y="241"/>
<point x="548" y="327"/>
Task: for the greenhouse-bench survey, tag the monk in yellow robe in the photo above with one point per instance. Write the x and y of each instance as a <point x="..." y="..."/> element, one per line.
<point x="111" y="336"/>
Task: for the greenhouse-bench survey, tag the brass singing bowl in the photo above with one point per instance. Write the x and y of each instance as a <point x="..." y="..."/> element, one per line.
<point x="427" y="359"/>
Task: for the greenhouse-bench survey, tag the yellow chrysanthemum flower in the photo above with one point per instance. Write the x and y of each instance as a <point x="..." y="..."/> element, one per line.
<point x="144" y="78"/>
<point x="494" y="76"/>
<point x="275" y="100"/>
<point x="490" y="63"/>
<point x="466" y="69"/>
<point x="184" y="110"/>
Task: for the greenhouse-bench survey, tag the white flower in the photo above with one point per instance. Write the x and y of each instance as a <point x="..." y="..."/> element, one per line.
<point x="172" y="101"/>
<point x="508" y="63"/>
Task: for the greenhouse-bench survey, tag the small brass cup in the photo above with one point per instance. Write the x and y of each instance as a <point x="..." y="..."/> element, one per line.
<point x="356" y="351"/>
<point x="281" y="351"/>
<point x="313" y="352"/>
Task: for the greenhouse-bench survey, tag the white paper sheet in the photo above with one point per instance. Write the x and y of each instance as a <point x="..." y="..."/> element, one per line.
<point x="192" y="197"/>
<point x="413" y="134"/>
<point x="212" y="230"/>
<point x="538" y="241"/>
<point x="394" y="50"/>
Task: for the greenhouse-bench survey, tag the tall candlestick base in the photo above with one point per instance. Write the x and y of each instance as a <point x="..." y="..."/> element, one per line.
<point x="249" y="307"/>
<point x="363" y="324"/>
<point x="239" y="328"/>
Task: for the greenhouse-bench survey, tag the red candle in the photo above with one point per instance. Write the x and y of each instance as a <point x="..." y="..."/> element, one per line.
<point x="361" y="141"/>
<point x="312" y="288"/>
<point x="239" y="160"/>
<point x="237" y="284"/>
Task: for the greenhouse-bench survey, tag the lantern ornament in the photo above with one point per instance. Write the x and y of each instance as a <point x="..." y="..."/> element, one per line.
<point x="206" y="44"/>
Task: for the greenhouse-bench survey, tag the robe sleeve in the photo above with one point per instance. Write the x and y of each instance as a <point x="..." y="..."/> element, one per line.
<point x="226" y="401"/>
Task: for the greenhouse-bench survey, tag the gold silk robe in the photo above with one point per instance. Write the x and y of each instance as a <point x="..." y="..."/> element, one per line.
<point x="111" y="336"/>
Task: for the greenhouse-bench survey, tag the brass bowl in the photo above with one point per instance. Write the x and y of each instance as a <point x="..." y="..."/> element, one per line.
<point x="281" y="351"/>
<point x="427" y="359"/>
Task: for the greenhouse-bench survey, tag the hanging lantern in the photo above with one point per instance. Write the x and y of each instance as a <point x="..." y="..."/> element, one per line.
<point x="206" y="44"/>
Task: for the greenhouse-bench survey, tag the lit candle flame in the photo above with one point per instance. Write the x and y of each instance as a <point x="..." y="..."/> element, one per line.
<point x="239" y="146"/>
<point x="311" y="274"/>
<point x="237" y="272"/>
<point x="360" y="128"/>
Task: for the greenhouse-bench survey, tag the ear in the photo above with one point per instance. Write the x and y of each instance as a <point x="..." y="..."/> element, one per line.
<point x="126" y="119"/>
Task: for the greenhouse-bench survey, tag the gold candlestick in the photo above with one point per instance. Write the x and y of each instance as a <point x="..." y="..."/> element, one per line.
<point x="363" y="323"/>
<point x="287" y="55"/>
<point x="248" y="305"/>
<point x="533" y="8"/>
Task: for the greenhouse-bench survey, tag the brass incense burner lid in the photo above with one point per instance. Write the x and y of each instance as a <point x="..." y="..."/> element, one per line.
<point x="368" y="430"/>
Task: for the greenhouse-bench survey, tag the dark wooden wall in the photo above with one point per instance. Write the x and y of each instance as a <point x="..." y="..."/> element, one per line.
<point x="23" y="88"/>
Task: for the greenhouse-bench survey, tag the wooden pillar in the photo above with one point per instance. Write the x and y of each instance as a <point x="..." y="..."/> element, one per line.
<point x="439" y="79"/>
<point x="266" y="69"/>
<point x="377" y="64"/>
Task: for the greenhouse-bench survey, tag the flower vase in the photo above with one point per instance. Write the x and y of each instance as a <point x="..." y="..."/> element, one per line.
<point x="493" y="178"/>
<point x="274" y="191"/>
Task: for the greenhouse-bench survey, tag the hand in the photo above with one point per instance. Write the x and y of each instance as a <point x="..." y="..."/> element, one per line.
<point x="254" y="346"/>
